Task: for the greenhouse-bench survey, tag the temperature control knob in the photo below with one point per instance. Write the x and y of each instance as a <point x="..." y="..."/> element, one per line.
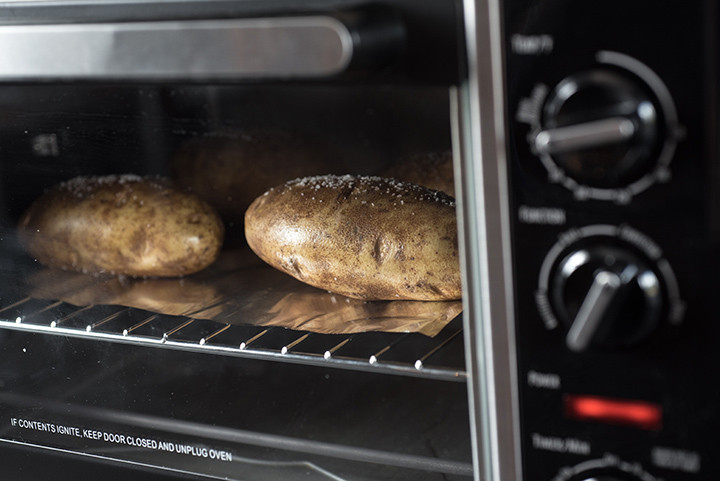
<point x="607" y="296"/>
<point x="608" y="287"/>
<point x="607" y="132"/>
<point x="600" y="128"/>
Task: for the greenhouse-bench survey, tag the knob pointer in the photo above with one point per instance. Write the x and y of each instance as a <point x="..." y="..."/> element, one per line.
<point x="591" y="134"/>
<point x="593" y="310"/>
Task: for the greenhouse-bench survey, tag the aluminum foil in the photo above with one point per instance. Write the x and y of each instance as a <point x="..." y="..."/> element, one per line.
<point x="240" y="289"/>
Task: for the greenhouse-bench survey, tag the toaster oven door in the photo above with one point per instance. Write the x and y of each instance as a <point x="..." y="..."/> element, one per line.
<point x="238" y="371"/>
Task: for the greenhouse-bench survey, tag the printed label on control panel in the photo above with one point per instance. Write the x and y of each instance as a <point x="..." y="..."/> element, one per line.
<point x="543" y="380"/>
<point x="532" y="44"/>
<point x="541" y="215"/>
<point x="124" y="439"/>
<point x="560" y="445"/>
<point x="530" y="108"/>
<point x="675" y="459"/>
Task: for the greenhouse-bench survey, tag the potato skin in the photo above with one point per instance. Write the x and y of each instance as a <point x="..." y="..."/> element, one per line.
<point x="433" y="170"/>
<point x="363" y="237"/>
<point x="230" y="172"/>
<point x="123" y="225"/>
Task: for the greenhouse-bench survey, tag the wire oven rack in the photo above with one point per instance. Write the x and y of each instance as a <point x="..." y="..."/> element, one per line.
<point x="440" y="357"/>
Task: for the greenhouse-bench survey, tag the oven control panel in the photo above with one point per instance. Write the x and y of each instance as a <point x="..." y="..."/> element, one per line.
<point x="615" y="225"/>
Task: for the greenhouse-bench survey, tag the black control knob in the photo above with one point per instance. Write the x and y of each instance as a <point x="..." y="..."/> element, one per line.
<point x="607" y="132"/>
<point x="607" y="296"/>
<point x="601" y="478"/>
<point x="600" y="128"/>
<point x="617" y="470"/>
<point x="610" y="475"/>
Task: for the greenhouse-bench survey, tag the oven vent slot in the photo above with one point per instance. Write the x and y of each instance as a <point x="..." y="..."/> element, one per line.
<point x="440" y="357"/>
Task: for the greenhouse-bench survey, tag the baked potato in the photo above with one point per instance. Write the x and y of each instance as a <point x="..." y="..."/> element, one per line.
<point x="124" y="225"/>
<point x="230" y="171"/>
<point x="363" y="237"/>
<point x="433" y="170"/>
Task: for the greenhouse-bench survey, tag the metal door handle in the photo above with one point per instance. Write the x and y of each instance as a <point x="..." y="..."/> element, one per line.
<point x="273" y="47"/>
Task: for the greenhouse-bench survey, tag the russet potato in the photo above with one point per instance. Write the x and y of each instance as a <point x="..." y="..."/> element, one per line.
<point x="229" y="172"/>
<point x="363" y="237"/>
<point x="124" y="225"/>
<point x="433" y="170"/>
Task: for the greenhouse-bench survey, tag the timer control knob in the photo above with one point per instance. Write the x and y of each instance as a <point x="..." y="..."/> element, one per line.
<point x="601" y="128"/>
<point x="607" y="296"/>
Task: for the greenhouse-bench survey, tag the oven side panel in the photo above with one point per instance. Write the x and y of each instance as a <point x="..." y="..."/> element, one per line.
<point x="485" y="238"/>
<point x="612" y="380"/>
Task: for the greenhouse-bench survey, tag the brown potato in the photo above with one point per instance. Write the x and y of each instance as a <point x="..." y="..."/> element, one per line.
<point x="363" y="237"/>
<point x="230" y="171"/>
<point x="124" y="225"/>
<point x="433" y="170"/>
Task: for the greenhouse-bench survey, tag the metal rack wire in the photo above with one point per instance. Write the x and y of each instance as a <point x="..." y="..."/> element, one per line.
<point x="440" y="357"/>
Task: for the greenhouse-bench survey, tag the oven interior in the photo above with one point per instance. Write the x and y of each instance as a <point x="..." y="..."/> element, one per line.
<point x="86" y="377"/>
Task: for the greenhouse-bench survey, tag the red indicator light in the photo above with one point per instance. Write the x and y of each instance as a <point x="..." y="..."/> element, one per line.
<point x="640" y="414"/>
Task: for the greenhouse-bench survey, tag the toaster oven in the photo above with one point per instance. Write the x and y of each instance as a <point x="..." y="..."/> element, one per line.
<point x="582" y="139"/>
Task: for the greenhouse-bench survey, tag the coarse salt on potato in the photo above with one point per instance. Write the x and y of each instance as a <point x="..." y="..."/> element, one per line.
<point x="123" y="225"/>
<point x="363" y="237"/>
